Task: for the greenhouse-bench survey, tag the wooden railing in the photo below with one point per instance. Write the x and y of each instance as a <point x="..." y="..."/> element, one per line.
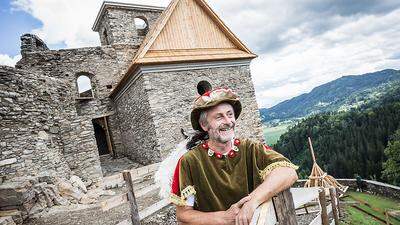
<point x="281" y="209"/>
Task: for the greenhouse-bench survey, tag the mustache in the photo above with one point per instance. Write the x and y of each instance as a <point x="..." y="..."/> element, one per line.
<point x="227" y="126"/>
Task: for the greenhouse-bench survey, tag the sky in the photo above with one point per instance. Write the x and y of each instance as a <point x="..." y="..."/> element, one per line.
<point x="300" y="44"/>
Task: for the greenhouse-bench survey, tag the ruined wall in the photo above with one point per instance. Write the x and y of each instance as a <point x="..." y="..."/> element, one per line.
<point x="104" y="65"/>
<point x="119" y="25"/>
<point x="136" y="123"/>
<point x="30" y="115"/>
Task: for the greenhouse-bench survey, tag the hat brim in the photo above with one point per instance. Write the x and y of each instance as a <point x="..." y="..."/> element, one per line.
<point x="195" y="115"/>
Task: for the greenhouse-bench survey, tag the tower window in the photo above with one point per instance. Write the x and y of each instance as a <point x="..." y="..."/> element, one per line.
<point x="141" y="25"/>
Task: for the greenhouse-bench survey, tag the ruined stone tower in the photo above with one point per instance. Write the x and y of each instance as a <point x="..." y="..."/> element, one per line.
<point x="61" y="109"/>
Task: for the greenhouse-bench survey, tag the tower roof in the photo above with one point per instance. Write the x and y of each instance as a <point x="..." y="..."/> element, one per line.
<point x="187" y="31"/>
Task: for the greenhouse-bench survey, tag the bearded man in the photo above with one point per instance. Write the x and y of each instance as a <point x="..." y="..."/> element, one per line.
<point x="222" y="179"/>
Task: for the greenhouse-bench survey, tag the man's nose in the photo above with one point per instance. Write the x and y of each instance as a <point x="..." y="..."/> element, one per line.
<point x="227" y="119"/>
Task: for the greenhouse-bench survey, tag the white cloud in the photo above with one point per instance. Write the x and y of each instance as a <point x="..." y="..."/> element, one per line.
<point x="9" y="61"/>
<point x="301" y="44"/>
<point x="68" y="21"/>
<point x="359" y="45"/>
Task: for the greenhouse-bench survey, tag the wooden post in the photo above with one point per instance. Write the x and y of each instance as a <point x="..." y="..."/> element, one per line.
<point x="324" y="212"/>
<point x="387" y="217"/>
<point x="338" y="202"/>
<point x="131" y="198"/>
<point x="312" y="150"/>
<point x="109" y="144"/>
<point x="284" y="208"/>
<point x="334" y="200"/>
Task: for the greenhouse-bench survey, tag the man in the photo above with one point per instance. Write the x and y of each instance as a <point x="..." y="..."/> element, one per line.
<point x="223" y="179"/>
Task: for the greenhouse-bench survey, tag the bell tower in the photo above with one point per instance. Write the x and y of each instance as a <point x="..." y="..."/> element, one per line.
<point x="123" y="23"/>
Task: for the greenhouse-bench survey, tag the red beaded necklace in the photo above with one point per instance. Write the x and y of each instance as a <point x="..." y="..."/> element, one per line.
<point x="232" y="153"/>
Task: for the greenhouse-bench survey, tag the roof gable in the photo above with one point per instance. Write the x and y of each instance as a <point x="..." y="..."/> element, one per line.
<point x="188" y="30"/>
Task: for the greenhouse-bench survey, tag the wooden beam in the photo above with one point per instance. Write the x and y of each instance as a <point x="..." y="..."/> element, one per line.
<point x="114" y="202"/>
<point x="131" y="198"/>
<point x="338" y="202"/>
<point x="284" y="208"/>
<point x="334" y="200"/>
<point x="312" y="150"/>
<point x="108" y="137"/>
<point x="324" y="211"/>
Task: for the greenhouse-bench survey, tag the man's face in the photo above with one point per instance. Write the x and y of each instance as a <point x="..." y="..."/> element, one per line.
<point x="221" y="123"/>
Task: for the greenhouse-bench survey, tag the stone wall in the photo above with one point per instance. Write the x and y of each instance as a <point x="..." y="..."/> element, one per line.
<point x="118" y="24"/>
<point x="30" y="109"/>
<point x="171" y="96"/>
<point x="154" y="109"/>
<point x="77" y="143"/>
<point x="136" y="124"/>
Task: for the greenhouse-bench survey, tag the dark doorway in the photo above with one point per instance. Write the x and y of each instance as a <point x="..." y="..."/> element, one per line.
<point x="101" y="134"/>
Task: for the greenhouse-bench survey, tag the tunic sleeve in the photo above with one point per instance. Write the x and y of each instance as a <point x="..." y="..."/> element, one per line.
<point x="266" y="159"/>
<point x="182" y="190"/>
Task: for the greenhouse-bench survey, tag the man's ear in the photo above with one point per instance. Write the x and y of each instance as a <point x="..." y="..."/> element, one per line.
<point x="203" y="126"/>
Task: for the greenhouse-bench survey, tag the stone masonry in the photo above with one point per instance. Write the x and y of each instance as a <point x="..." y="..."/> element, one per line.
<point x="163" y="109"/>
<point x="46" y="125"/>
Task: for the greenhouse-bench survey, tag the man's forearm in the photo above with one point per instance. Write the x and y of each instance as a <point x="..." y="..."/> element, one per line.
<point x="278" y="180"/>
<point x="195" y="217"/>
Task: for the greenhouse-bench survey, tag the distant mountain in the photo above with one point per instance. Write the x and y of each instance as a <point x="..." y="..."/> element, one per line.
<point x="341" y="94"/>
<point x="346" y="143"/>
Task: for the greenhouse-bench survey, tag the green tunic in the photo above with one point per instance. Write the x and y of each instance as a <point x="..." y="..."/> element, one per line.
<point x="219" y="183"/>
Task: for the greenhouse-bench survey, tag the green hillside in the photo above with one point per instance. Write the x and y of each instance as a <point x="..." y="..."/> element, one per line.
<point x="346" y="143"/>
<point x="343" y="94"/>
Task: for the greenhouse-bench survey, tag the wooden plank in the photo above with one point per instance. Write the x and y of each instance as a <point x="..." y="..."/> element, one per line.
<point x="113" y="180"/>
<point x="194" y="58"/>
<point x="317" y="220"/>
<point x="267" y="214"/>
<point x="338" y="202"/>
<point x="284" y="208"/>
<point x="154" y="208"/>
<point x="108" y="137"/>
<point x="302" y="196"/>
<point x="324" y="211"/>
<point x="334" y="200"/>
<point x="131" y="198"/>
<point x="312" y="150"/>
<point x="114" y="202"/>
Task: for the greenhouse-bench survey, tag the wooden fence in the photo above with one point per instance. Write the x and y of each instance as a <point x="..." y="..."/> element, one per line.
<point x="280" y="210"/>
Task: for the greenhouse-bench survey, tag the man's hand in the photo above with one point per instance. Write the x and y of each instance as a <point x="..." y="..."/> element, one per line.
<point x="246" y="213"/>
<point x="232" y="212"/>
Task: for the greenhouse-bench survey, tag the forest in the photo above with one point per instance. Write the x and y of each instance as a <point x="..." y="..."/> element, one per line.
<point x="363" y="141"/>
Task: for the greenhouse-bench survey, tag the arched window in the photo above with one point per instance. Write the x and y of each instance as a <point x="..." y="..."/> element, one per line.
<point x="84" y="87"/>
<point x="141" y="25"/>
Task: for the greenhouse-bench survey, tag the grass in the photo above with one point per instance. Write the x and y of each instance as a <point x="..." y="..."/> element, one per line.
<point x="272" y="134"/>
<point x="355" y="216"/>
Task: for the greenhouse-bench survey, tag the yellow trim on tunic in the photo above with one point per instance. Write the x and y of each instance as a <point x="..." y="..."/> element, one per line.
<point x="264" y="173"/>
